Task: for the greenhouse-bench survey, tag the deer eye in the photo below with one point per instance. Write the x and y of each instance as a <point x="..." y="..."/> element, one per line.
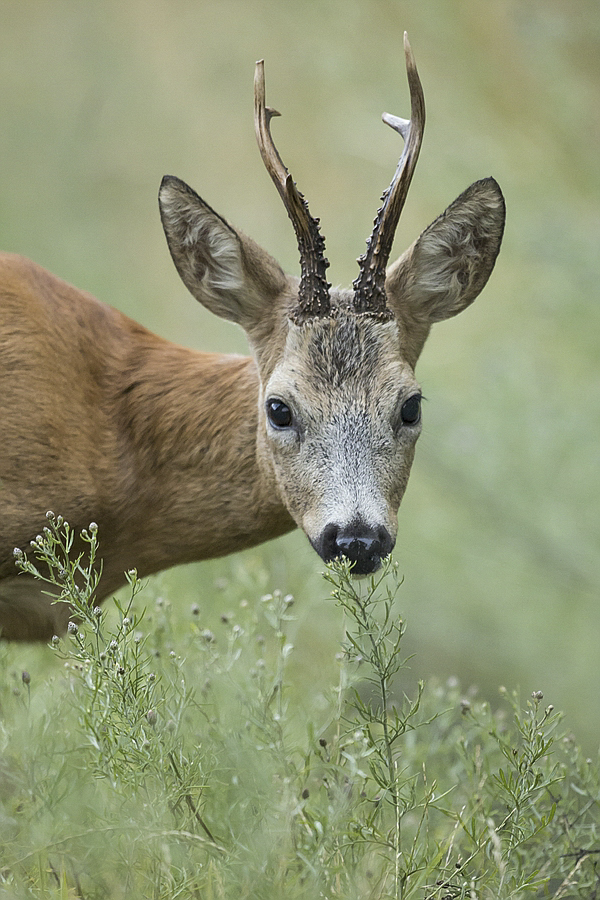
<point x="410" y="413"/>
<point x="279" y="413"/>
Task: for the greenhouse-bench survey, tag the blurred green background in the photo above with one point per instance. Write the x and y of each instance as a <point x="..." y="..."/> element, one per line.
<point x="499" y="539"/>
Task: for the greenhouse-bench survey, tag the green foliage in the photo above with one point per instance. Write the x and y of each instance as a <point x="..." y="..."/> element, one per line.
<point x="165" y="760"/>
<point x="499" y="540"/>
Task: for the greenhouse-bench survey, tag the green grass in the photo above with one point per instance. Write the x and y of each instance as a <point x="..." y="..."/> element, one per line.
<point x="162" y="758"/>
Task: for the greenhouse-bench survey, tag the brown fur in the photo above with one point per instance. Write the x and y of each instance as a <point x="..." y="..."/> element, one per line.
<point x="104" y="421"/>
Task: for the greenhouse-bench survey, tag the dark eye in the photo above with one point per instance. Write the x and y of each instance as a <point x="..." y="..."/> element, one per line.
<point x="411" y="410"/>
<point x="280" y="415"/>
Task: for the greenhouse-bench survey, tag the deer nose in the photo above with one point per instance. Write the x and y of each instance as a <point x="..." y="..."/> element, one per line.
<point x="362" y="545"/>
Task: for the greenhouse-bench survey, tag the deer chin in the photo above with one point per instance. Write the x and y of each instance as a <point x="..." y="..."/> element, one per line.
<point x="364" y="546"/>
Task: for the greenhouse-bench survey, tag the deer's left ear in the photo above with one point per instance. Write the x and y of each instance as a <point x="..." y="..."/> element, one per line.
<point x="222" y="268"/>
<point x="450" y="263"/>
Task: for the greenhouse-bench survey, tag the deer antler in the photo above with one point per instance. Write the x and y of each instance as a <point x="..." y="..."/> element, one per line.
<point x="314" y="289"/>
<point x="369" y="287"/>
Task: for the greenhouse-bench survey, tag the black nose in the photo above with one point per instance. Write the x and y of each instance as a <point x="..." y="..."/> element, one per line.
<point x="362" y="545"/>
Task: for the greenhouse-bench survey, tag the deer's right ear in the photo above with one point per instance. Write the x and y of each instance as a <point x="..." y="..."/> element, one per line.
<point x="450" y="263"/>
<point x="226" y="271"/>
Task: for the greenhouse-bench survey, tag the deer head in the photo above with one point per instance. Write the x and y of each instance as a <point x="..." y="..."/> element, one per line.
<point x="339" y="409"/>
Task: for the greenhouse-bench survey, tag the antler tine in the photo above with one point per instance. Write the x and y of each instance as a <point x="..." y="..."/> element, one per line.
<point x="314" y="289"/>
<point x="369" y="287"/>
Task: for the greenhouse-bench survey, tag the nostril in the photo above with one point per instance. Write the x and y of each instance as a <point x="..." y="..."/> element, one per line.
<point x="386" y="541"/>
<point x="327" y="547"/>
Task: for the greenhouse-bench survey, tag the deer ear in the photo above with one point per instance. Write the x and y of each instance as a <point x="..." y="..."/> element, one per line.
<point x="450" y="263"/>
<point x="225" y="270"/>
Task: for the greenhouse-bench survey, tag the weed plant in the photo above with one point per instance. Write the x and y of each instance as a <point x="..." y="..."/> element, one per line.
<point x="169" y="763"/>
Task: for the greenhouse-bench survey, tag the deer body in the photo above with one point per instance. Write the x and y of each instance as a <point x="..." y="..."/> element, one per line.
<point x="182" y="456"/>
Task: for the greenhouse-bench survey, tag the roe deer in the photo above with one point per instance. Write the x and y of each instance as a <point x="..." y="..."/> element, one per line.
<point x="180" y="455"/>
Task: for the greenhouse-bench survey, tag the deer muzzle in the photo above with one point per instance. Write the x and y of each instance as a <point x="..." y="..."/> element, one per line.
<point x="365" y="547"/>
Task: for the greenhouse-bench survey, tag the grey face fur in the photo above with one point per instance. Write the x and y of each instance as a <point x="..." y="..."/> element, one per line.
<point x="342" y="464"/>
<point x="340" y="457"/>
<point x="339" y="406"/>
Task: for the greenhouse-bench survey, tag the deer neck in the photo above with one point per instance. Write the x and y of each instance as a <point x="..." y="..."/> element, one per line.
<point x="189" y="426"/>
